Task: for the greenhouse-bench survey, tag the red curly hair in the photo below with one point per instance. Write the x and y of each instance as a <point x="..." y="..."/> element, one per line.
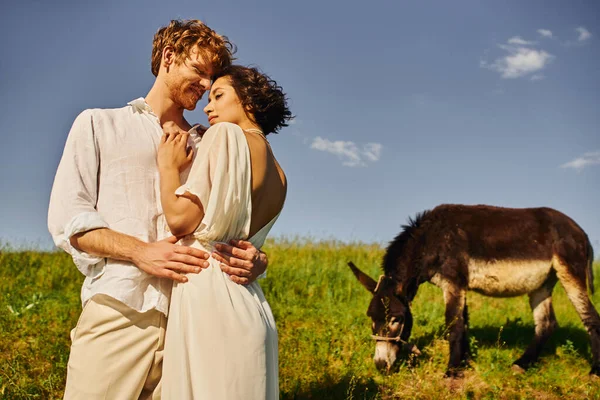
<point x="185" y="35"/>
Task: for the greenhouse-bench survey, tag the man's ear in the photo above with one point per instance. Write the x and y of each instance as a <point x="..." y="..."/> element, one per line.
<point x="168" y="56"/>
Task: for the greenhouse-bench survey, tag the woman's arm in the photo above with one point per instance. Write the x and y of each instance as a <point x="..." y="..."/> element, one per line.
<point x="220" y="156"/>
<point x="183" y="213"/>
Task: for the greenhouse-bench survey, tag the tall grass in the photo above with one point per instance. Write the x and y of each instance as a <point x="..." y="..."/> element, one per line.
<point x="325" y="348"/>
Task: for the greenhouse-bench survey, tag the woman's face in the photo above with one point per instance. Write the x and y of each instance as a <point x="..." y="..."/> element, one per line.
<point x="224" y="105"/>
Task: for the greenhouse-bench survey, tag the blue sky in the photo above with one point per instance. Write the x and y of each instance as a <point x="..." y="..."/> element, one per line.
<point x="400" y="106"/>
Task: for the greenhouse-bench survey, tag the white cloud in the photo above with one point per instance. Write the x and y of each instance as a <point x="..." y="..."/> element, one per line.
<point x="537" y="77"/>
<point x="519" y="62"/>
<point x="350" y="154"/>
<point x="545" y="33"/>
<point x="519" y="41"/>
<point x="584" y="34"/>
<point x="586" y="160"/>
<point x="372" y="151"/>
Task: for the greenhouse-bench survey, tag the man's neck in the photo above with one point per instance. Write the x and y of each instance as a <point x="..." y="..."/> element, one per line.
<point x="167" y="111"/>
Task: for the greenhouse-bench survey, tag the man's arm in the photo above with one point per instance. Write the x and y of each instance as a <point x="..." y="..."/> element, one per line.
<point x="79" y="229"/>
<point x="164" y="259"/>
<point x="74" y="193"/>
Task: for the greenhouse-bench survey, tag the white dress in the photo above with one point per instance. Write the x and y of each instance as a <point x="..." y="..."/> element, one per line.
<point x="221" y="339"/>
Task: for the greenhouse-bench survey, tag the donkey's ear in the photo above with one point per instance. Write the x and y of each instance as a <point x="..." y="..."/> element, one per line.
<point x="363" y="278"/>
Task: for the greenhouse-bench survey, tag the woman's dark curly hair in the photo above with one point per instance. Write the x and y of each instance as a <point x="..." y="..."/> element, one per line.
<point x="261" y="97"/>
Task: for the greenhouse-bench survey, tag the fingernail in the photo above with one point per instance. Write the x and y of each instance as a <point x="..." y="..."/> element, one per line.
<point x="206" y="264"/>
<point x="196" y="269"/>
<point x="185" y="279"/>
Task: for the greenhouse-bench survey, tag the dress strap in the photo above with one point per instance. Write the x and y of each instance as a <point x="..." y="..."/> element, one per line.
<point x="254" y="130"/>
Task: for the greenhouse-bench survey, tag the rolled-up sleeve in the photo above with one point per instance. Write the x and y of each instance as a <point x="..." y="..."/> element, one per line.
<point x="74" y="194"/>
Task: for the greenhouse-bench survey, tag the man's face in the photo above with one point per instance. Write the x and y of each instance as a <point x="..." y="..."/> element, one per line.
<point x="188" y="79"/>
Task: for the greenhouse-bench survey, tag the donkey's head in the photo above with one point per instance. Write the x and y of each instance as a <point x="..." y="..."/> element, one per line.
<point x="391" y="317"/>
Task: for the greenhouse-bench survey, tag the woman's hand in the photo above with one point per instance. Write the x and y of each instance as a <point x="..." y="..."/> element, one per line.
<point x="173" y="151"/>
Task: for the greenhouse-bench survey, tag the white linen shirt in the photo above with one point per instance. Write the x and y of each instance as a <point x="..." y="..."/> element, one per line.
<point x="108" y="178"/>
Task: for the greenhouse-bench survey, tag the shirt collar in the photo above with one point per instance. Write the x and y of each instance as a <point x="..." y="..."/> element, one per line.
<point x="194" y="130"/>
<point x="140" y="105"/>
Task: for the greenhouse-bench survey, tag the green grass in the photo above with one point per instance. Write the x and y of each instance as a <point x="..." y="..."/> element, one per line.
<point x="324" y="343"/>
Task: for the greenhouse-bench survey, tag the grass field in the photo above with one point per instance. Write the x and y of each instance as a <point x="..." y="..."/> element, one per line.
<point x="324" y="343"/>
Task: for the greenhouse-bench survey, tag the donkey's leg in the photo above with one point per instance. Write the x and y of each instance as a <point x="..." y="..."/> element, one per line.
<point x="540" y="301"/>
<point x="455" y="299"/>
<point x="575" y="287"/>
<point x="466" y="345"/>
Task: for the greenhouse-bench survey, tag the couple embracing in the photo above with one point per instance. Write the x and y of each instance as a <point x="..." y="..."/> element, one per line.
<point x="166" y="222"/>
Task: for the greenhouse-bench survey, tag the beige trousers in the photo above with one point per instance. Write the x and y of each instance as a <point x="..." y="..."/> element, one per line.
<point x="116" y="352"/>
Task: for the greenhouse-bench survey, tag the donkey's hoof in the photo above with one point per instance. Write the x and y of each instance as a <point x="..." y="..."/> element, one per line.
<point x="522" y="365"/>
<point x="517" y="369"/>
<point x="454" y="373"/>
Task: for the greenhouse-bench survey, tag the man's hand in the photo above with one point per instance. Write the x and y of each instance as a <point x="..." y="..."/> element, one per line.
<point x="241" y="260"/>
<point x="165" y="259"/>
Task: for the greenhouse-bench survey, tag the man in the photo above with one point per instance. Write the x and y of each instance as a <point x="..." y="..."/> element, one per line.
<point x="104" y="211"/>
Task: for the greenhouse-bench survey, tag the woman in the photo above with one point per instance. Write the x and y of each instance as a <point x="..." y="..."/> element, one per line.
<point x="221" y="340"/>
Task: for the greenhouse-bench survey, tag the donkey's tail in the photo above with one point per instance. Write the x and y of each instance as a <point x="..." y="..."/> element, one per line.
<point x="590" y="266"/>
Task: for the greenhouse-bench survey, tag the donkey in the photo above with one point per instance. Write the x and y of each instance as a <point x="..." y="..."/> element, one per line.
<point x="499" y="252"/>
